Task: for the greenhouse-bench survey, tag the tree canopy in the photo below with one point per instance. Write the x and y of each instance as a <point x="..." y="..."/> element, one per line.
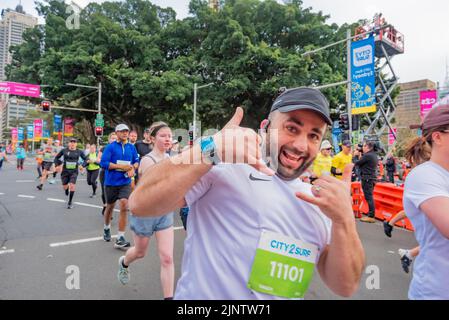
<point x="147" y="60"/>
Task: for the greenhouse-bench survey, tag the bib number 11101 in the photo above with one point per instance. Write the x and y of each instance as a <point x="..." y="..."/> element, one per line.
<point x="286" y="272"/>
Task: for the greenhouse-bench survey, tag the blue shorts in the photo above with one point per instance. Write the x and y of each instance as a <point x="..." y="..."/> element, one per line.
<point x="146" y="227"/>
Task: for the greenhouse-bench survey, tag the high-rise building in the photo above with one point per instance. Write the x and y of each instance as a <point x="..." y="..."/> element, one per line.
<point x="12" y="25"/>
<point x="443" y="91"/>
<point x="408" y="105"/>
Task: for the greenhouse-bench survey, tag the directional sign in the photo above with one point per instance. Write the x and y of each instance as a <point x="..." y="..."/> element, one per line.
<point x="99" y="116"/>
<point x="99" y="123"/>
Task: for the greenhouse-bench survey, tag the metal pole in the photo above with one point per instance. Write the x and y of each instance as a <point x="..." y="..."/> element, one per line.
<point x="195" y="88"/>
<point x="99" y="108"/>
<point x="349" y="92"/>
<point x="99" y="98"/>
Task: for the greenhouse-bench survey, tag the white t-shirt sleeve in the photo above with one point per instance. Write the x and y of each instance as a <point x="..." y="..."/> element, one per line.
<point x="424" y="185"/>
<point x="201" y="187"/>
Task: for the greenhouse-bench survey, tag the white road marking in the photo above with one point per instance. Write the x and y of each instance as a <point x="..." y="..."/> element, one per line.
<point x="68" y="243"/>
<point x="392" y="252"/>
<point x="25" y="196"/>
<point x="92" y="206"/>
<point x="7" y="251"/>
<point x="25" y="181"/>
<point x="2" y="194"/>
<point x="56" y="200"/>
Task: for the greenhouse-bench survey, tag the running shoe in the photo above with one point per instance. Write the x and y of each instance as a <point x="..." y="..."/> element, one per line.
<point x="122" y="244"/>
<point x="107" y="235"/>
<point x="368" y="220"/>
<point x="123" y="273"/>
<point x="69" y="206"/>
<point x="387" y="229"/>
<point x="39" y="187"/>
<point x="405" y="260"/>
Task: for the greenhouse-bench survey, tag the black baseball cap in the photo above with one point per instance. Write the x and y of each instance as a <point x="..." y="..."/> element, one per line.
<point x="347" y="143"/>
<point x="303" y="99"/>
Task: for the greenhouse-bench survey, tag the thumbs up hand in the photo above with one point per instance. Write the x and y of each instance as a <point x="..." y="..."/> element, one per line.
<point x="236" y="144"/>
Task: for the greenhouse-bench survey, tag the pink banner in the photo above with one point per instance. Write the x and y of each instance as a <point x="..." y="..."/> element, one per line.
<point x="20" y="89"/>
<point x="426" y="100"/>
<point x="14" y="134"/>
<point x="391" y="138"/>
<point x="38" y="128"/>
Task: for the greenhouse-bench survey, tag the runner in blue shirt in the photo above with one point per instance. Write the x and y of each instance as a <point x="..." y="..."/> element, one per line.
<point x="21" y="155"/>
<point x="120" y="162"/>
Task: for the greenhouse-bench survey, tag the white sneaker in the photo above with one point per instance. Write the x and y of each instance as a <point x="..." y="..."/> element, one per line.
<point x="402" y="252"/>
<point x="53" y="181"/>
<point x="123" y="273"/>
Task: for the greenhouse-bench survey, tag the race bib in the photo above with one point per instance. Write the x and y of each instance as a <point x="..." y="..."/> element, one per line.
<point x="282" y="266"/>
<point x="47" y="156"/>
<point x="123" y="162"/>
<point x="71" y="165"/>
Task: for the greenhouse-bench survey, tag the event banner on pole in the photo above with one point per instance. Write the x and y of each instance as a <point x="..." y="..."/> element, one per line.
<point x="57" y="124"/>
<point x="30" y="132"/>
<point x="38" y="127"/>
<point x="391" y="136"/>
<point x="69" y="126"/>
<point x="427" y="99"/>
<point x="20" y="134"/>
<point x="14" y="134"/>
<point x="363" y="77"/>
<point x="20" y="89"/>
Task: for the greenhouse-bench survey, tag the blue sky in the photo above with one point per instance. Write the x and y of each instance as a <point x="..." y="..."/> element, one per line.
<point x="423" y="23"/>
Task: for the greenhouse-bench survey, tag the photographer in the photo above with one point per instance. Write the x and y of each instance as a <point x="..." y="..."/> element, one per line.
<point x="358" y="152"/>
<point x="367" y="166"/>
<point x="391" y="168"/>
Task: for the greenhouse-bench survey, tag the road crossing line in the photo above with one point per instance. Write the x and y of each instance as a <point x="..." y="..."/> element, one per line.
<point x="25" y="196"/>
<point x="7" y="251"/>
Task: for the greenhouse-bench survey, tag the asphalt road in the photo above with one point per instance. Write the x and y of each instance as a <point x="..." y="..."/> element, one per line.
<point x="44" y="246"/>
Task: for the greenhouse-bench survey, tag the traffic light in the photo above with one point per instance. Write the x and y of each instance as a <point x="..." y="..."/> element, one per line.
<point x="344" y="121"/>
<point x="98" y="131"/>
<point x="45" y="106"/>
<point x="190" y="137"/>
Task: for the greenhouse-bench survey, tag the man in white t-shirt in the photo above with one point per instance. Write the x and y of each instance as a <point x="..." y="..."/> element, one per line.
<point x="255" y="231"/>
<point x="426" y="203"/>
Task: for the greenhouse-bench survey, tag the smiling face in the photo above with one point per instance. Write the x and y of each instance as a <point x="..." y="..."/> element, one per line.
<point x="299" y="135"/>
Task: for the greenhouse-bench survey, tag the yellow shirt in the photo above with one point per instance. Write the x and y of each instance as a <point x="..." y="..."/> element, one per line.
<point x="340" y="161"/>
<point x="322" y="165"/>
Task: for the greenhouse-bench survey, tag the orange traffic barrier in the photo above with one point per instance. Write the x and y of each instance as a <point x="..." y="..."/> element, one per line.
<point x="387" y="199"/>
<point x="357" y="198"/>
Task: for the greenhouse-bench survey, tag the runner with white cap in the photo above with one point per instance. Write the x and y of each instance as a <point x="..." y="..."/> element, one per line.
<point x="120" y="161"/>
<point x="323" y="162"/>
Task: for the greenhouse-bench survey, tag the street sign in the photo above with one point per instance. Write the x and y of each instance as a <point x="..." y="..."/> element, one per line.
<point x="99" y="116"/>
<point x="99" y="122"/>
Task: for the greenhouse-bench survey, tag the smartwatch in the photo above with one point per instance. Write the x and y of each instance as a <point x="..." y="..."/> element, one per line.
<point x="209" y="150"/>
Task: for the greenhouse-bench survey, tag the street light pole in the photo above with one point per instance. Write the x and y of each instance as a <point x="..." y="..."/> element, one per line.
<point x="195" y="94"/>
<point x="195" y="89"/>
<point x="99" y="97"/>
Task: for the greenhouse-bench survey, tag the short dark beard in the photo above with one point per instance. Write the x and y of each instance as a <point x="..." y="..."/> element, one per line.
<point x="275" y="164"/>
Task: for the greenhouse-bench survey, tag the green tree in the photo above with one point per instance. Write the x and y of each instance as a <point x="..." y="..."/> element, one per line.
<point x="148" y="61"/>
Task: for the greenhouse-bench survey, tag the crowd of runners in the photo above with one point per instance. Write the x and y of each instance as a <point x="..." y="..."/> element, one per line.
<point x="262" y="216"/>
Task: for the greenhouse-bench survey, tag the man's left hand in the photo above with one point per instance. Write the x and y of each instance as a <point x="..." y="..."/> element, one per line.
<point x="332" y="196"/>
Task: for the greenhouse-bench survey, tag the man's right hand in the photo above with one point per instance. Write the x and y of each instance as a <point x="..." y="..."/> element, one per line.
<point x="236" y="144"/>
